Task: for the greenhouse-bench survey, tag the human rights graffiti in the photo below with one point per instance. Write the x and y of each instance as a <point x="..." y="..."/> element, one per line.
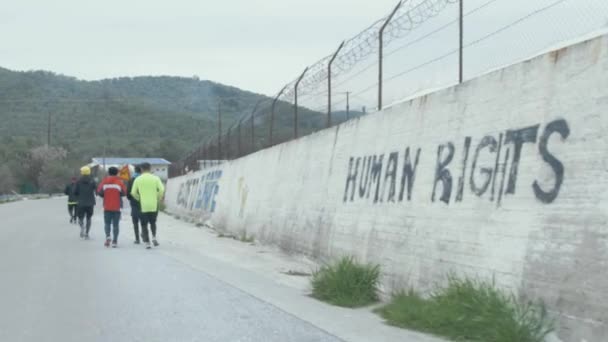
<point x="490" y="168"/>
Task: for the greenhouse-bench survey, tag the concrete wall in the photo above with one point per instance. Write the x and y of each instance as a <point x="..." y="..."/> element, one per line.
<point x="161" y="171"/>
<point x="503" y="176"/>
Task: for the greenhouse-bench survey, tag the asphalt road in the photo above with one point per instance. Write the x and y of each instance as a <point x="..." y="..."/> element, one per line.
<point x="56" y="287"/>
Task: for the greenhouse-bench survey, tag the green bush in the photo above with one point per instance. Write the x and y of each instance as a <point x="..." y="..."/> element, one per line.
<point x="346" y="283"/>
<point x="468" y="310"/>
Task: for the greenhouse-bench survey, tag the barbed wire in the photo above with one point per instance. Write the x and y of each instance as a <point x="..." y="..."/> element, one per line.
<point x="358" y="56"/>
<point x="363" y="45"/>
<point x="470" y="44"/>
<point x="407" y="45"/>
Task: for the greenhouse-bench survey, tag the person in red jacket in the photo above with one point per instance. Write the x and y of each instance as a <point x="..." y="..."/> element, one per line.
<point x="112" y="189"/>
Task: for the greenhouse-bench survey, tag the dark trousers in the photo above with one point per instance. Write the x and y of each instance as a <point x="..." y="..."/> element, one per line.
<point x="72" y="211"/>
<point x="148" y="218"/>
<point x="85" y="213"/>
<point x="111" y="220"/>
<point x="135" y="220"/>
<point x="135" y="217"/>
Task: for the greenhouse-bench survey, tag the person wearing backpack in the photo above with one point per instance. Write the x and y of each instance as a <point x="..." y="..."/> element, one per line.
<point x="72" y="204"/>
<point x="84" y="192"/>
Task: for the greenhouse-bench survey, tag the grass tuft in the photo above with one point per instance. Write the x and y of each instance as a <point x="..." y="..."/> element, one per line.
<point x="246" y="238"/>
<point x="346" y="283"/>
<point x="469" y="310"/>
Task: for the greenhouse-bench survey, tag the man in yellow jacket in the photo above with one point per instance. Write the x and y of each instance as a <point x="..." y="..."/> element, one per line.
<point x="148" y="189"/>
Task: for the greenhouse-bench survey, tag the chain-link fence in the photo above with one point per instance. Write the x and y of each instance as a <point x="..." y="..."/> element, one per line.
<point x="419" y="46"/>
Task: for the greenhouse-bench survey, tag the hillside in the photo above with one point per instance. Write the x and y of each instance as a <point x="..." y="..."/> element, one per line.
<point x="122" y="113"/>
<point x="131" y="116"/>
<point x="142" y="116"/>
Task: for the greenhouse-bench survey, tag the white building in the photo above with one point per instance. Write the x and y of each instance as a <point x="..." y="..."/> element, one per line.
<point x="160" y="167"/>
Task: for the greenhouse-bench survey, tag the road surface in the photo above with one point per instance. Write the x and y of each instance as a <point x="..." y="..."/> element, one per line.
<point x="56" y="287"/>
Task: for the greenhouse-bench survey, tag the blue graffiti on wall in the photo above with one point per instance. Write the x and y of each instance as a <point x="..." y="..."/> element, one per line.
<point x="185" y="192"/>
<point x="200" y="193"/>
<point x="207" y="191"/>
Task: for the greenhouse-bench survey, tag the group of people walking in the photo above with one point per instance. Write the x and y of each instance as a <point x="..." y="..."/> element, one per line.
<point x="144" y="192"/>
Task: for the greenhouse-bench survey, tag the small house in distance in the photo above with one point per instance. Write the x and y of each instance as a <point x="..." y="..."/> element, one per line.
<point x="160" y="167"/>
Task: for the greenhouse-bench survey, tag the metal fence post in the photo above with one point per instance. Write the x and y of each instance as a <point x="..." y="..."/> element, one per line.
<point x="295" y="111"/>
<point x="274" y="102"/>
<point x="381" y="52"/>
<point x="252" y="132"/>
<point x="461" y="43"/>
<point x="219" y="126"/>
<point x="238" y="144"/>
<point x="331" y="61"/>
<point x="347" y="105"/>
<point x="253" y="124"/>
<point x="227" y="145"/>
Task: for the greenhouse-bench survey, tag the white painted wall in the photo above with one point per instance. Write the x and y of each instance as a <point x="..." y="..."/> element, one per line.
<point x="161" y="171"/>
<point x="554" y="248"/>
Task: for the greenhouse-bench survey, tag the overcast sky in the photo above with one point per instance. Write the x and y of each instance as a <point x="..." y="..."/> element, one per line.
<point x="257" y="45"/>
<point x="253" y="44"/>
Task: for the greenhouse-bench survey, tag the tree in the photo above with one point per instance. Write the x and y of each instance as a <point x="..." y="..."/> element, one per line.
<point x="7" y="181"/>
<point x="54" y="176"/>
<point x="38" y="160"/>
<point x="170" y="150"/>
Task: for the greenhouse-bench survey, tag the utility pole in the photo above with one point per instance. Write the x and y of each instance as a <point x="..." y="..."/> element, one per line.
<point x="48" y="130"/>
<point x="104" y="157"/>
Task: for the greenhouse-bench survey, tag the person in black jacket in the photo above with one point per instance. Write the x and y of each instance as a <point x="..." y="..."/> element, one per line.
<point x="69" y="191"/>
<point x="135" y="206"/>
<point x="85" y="196"/>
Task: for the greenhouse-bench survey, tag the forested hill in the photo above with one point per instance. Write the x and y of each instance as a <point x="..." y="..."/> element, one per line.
<point x="174" y="94"/>
<point x="140" y="116"/>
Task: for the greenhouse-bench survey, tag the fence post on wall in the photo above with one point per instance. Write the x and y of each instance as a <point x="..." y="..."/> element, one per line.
<point x="295" y="111"/>
<point x="461" y="43"/>
<point x="381" y="52"/>
<point x="252" y="132"/>
<point x="253" y="124"/>
<point x="228" y="143"/>
<point x="274" y="102"/>
<point x="238" y="144"/>
<point x="331" y="61"/>
<point x="199" y="152"/>
<point x="219" y="126"/>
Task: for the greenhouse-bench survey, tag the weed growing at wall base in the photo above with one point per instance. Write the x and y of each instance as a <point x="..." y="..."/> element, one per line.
<point x="346" y="283"/>
<point x="246" y="238"/>
<point x="467" y="310"/>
